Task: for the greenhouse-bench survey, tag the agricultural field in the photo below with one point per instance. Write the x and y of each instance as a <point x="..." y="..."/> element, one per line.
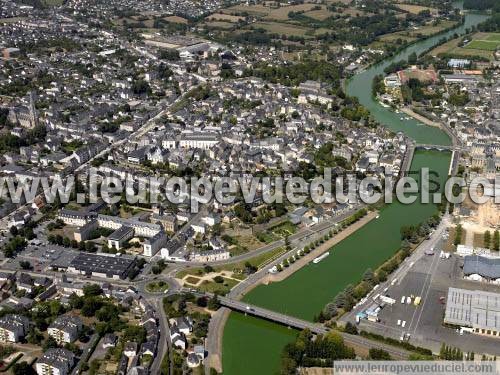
<point x="176" y="19"/>
<point x="282" y="28"/>
<point x="224" y="17"/>
<point x="320" y="14"/>
<point x="219" y="24"/>
<point x="281" y="14"/>
<point x="415" y="9"/>
<point x="413" y="34"/>
<point x="256" y="10"/>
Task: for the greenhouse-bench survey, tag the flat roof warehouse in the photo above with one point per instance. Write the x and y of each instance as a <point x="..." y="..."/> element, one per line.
<point x="102" y="265"/>
<point x="474" y="308"/>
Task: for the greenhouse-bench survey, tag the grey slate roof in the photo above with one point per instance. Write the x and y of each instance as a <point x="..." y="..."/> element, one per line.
<point x="486" y="267"/>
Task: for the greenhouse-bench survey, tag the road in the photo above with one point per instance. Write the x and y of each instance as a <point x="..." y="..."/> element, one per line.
<point x="164" y="343"/>
<point x="316" y="328"/>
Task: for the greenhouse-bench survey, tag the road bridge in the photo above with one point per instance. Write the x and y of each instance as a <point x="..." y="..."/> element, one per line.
<point x="293" y="322"/>
<point x="421" y="146"/>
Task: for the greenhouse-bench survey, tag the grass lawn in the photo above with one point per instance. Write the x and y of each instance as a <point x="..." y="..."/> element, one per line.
<point x="451" y="47"/>
<point x="213" y="287"/>
<point x="157" y="287"/>
<point x="485" y="45"/>
<point x="494" y="37"/>
<point x="192" y="280"/>
<point x="283" y="230"/>
<point x="237" y="267"/>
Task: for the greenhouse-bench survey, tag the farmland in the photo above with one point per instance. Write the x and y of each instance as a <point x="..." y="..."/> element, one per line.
<point x="415" y="9"/>
<point x="282" y="28"/>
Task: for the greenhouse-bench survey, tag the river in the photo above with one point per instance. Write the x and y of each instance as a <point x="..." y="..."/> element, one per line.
<point x="253" y="346"/>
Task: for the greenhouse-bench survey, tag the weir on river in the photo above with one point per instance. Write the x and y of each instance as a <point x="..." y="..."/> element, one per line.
<point x="253" y="346"/>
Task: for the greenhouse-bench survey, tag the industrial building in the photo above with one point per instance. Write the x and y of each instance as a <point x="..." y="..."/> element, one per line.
<point x="481" y="268"/>
<point x="476" y="309"/>
<point x="110" y="266"/>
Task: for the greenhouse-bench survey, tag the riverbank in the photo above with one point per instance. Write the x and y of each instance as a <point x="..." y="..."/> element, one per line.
<point x="422" y="119"/>
<point x="221" y="317"/>
<point x="328" y="245"/>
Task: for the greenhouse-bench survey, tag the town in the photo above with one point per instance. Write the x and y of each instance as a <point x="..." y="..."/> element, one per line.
<point x="131" y="90"/>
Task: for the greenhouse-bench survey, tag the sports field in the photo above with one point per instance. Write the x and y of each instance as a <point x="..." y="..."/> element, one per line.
<point x="485" y="42"/>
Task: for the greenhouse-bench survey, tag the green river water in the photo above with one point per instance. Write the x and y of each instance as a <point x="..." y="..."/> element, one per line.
<point x="253" y="346"/>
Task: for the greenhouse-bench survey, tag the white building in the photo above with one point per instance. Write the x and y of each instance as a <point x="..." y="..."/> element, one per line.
<point x="203" y="141"/>
<point x="65" y="329"/>
<point x="55" y="361"/>
<point x="13" y="328"/>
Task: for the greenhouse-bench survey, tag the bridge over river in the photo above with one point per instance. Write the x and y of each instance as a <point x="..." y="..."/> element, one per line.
<point x="316" y="328"/>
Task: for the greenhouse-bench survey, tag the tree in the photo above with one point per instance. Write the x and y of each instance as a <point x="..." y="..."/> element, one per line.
<point x="351" y="328"/>
<point x="213" y="303"/>
<point x="487" y="239"/>
<point x="496" y="240"/>
<point x="25" y="265"/>
<point x="379" y="354"/>
<point x="330" y="310"/>
<point x="369" y="276"/>
<point x="22" y="368"/>
<point x="458" y="235"/>
<point x="219" y="279"/>
<point x="92" y="290"/>
<point x="49" y="343"/>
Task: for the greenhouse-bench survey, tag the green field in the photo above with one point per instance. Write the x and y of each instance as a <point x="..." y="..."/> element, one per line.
<point x="494" y="37"/>
<point x="485" y="45"/>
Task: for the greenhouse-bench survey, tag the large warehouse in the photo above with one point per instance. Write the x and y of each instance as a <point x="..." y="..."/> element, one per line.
<point x="475" y="309"/>
<point x="480" y="268"/>
<point x="112" y="266"/>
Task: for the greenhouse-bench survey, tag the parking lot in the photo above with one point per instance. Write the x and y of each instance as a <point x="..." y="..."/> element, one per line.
<point x="42" y="257"/>
<point x="429" y="278"/>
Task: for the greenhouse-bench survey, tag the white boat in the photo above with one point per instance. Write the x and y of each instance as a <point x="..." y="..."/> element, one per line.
<point x="320" y="258"/>
<point x="376" y="217"/>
